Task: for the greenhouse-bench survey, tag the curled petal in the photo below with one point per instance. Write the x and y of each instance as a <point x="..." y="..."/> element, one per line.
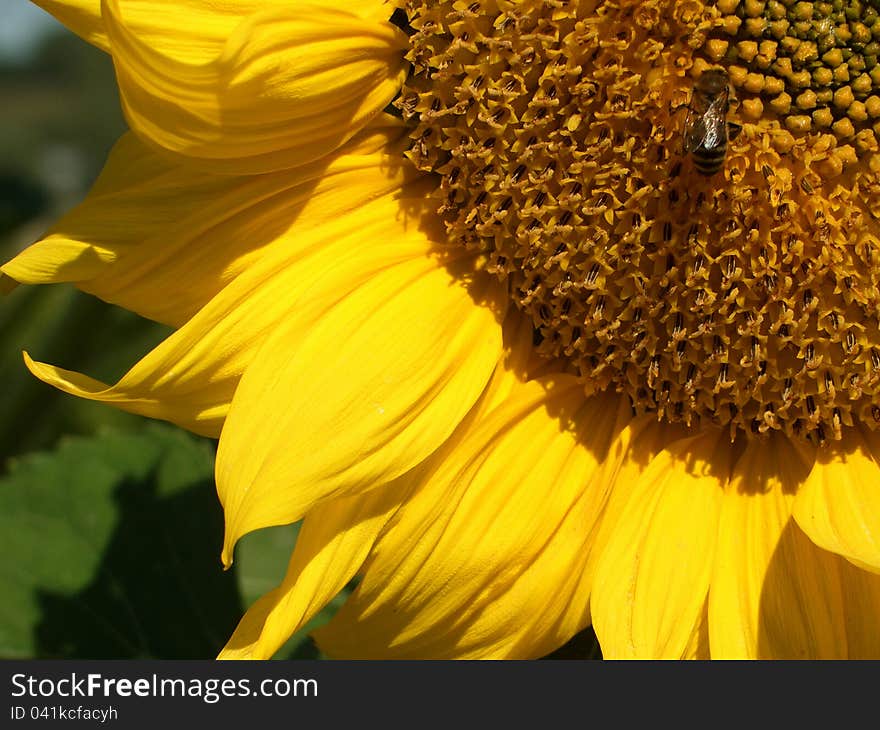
<point x="283" y="87"/>
<point x="83" y="17"/>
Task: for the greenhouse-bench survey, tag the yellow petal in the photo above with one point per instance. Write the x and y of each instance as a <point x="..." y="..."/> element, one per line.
<point x="165" y="24"/>
<point x="149" y="224"/>
<point x="333" y="542"/>
<point x="336" y="537"/>
<point x="839" y="505"/>
<point x="652" y="577"/>
<point x="375" y="9"/>
<point x="362" y="394"/>
<point x="190" y="378"/>
<point x="156" y="24"/>
<point x="774" y="594"/>
<point x="83" y="17"/>
<point x="282" y="88"/>
<point x="486" y="559"/>
<point x="648" y="437"/>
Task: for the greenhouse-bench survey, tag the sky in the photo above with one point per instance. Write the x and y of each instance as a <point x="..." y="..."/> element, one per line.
<point x="21" y="25"/>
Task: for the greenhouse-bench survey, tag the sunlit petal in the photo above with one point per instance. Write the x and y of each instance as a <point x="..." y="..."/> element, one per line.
<point x="280" y="88"/>
<point x="150" y="223"/>
<point x="331" y="547"/>
<point x="480" y="562"/>
<point x="653" y="574"/>
<point x="190" y="378"/>
<point x="336" y="537"/>
<point x="370" y="388"/>
<point x="774" y="593"/>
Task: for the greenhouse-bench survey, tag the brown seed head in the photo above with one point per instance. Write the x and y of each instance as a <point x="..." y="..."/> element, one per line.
<point x="749" y="298"/>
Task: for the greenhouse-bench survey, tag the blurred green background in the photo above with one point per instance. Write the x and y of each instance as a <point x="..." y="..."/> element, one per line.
<point x="110" y="528"/>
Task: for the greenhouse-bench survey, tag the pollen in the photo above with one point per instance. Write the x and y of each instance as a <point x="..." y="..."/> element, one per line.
<point x="748" y="298"/>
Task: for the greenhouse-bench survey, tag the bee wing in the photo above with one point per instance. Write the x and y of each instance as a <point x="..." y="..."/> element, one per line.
<point x="694" y="130"/>
<point x="715" y="126"/>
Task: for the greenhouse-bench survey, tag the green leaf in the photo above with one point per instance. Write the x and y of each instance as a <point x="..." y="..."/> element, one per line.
<point x="111" y="549"/>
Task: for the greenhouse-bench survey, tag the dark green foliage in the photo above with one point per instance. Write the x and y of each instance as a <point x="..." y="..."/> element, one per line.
<point x="111" y="550"/>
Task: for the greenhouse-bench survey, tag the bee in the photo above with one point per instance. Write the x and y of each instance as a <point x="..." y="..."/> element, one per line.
<point x="706" y="130"/>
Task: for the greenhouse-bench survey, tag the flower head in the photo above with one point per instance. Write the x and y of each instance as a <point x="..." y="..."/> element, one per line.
<point x="517" y="361"/>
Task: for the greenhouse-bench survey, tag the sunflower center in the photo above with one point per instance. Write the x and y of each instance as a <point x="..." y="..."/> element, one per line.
<point x="747" y="297"/>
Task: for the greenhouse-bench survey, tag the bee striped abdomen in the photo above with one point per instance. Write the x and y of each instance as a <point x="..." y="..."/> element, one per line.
<point x="709" y="161"/>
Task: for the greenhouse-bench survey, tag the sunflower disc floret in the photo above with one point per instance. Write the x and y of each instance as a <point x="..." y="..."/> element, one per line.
<point x="748" y="298"/>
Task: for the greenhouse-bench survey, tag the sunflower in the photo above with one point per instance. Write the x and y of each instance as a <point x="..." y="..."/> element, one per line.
<point x="448" y="288"/>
